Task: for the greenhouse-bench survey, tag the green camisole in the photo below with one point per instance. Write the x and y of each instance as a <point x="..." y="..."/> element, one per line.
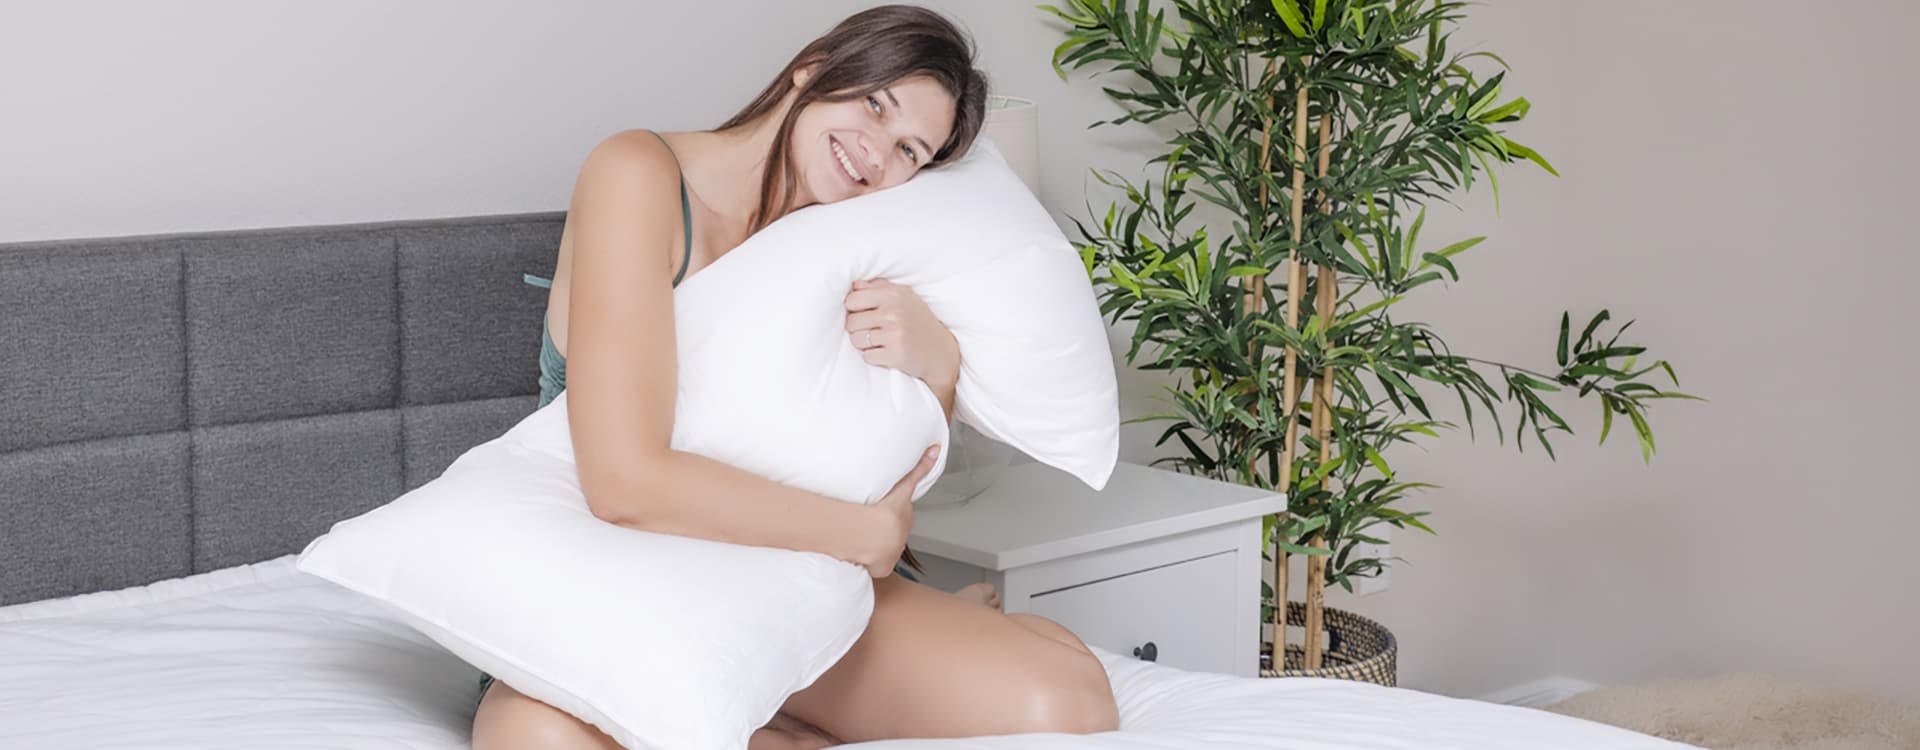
<point x="553" y="367"/>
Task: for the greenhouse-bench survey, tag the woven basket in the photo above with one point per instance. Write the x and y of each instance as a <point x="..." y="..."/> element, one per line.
<point x="1357" y="649"/>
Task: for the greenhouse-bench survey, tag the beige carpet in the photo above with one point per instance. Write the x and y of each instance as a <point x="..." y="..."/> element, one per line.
<point x="1752" y="712"/>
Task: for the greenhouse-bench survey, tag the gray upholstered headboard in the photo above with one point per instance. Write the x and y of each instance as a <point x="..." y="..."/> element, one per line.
<point x="174" y="404"/>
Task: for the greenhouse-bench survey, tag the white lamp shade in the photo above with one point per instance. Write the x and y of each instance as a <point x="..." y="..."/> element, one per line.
<point x="1013" y="124"/>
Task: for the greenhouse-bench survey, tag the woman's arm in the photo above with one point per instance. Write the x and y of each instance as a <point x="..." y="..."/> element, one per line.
<point x="622" y="377"/>
<point x="943" y="388"/>
<point x="893" y="327"/>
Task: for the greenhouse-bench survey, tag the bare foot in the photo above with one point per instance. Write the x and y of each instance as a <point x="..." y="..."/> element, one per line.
<point x="788" y="733"/>
<point x="982" y="593"/>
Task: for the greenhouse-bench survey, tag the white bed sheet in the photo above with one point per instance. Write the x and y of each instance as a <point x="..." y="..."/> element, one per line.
<point x="264" y="656"/>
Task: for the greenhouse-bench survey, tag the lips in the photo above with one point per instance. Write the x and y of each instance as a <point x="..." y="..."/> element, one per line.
<point x="834" y="150"/>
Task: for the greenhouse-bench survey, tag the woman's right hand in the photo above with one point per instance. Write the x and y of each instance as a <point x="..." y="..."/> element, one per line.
<point x="895" y="514"/>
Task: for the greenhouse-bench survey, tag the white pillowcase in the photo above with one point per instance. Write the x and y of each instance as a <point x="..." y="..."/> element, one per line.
<point x="970" y="239"/>
<point x="675" y="642"/>
<point x="661" y="641"/>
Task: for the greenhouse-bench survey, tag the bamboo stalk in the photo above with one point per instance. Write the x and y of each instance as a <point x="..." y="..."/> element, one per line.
<point x="1254" y="302"/>
<point x="1296" y="280"/>
<point x="1322" y="421"/>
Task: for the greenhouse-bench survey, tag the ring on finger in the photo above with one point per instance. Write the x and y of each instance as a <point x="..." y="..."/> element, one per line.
<point x="869" y="339"/>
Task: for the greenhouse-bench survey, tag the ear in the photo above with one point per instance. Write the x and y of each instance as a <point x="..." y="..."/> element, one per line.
<point x="803" y="74"/>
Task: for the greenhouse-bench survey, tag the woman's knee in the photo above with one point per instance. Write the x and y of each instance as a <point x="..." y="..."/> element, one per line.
<point x="1052" y="630"/>
<point x="1070" y="703"/>
<point x="1070" y="694"/>
<point x="508" y="719"/>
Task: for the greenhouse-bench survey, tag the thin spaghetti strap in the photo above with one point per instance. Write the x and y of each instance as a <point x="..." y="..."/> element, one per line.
<point x="686" y="210"/>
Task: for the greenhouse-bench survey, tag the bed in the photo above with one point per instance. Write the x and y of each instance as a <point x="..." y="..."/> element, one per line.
<point x="182" y="413"/>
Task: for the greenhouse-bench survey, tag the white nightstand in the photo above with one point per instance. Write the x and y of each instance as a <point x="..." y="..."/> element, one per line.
<point x="1159" y="561"/>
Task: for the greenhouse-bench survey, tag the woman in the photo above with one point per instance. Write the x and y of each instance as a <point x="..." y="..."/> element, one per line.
<point x="886" y="93"/>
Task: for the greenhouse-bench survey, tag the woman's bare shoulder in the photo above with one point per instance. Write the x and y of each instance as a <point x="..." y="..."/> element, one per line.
<point x="635" y="154"/>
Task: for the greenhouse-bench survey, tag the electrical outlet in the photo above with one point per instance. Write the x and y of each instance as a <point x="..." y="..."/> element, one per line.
<point x="1376" y="584"/>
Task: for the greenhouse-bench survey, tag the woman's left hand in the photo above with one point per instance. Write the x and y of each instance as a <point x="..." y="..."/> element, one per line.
<point x="892" y="327"/>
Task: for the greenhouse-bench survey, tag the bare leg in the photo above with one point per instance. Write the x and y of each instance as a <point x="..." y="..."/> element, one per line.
<point x="508" y="720"/>
<point x="788" y="733"/>
<point x="1052" y="630"/>
<point x="932" y="664"/>
<point x="929" y="665"/>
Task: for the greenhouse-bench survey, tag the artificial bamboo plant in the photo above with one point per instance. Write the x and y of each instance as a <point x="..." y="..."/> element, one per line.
<point x="1321" y="128"/>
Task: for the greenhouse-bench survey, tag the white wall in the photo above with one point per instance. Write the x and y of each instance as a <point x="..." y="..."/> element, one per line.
<point x="127" y="118"/>
<point x="1734" y="177"/>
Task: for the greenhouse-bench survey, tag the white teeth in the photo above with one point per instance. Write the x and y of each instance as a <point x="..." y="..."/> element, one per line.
<point x="846" y="164"/>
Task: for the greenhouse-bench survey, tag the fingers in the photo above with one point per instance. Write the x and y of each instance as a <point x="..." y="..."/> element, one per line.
<point x="921" y="469"/>
<point x="869" y="294"/>
<point x="857" y="321"/>
<point x="863" y="299"/>
<point x="879" y="347"/>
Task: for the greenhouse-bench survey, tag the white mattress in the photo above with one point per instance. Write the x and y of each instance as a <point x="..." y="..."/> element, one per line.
<point x="264" y="656"/>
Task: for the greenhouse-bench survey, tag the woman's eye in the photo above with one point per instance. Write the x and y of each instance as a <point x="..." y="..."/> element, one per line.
<point x="874" y="102"/>
<point x="909" y="150"/>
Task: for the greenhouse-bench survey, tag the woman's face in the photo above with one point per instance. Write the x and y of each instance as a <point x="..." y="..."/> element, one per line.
<point x="885" y="138"/>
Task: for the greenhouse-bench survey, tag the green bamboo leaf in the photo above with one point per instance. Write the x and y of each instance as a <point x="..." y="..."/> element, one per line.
<point x="1406" y="250"/>
<point x="1481" y="102"/>
<point x="1061" y="51"/>
<point x="1289" y="11"/>
<point x="1348" y="319"/>
<point x="1671" y="394"/>
<point x="1513" y="110"/>
<point x="1302" y="550"/>
<point x="1587" y="334"/>
<point x="1493" y="178"/>
<point x="1459" y="247"/>
<point x="1529" y="154"/>
<point x="1320" y="474"/>
<point x="1422" y="429"/>
<point x="1496" y="58"/>
<point x="1319" y="14"/>
<point x="1604" y="354"/>
<point x="1645" y="433"/>
<point x="1434" y="259"/>
<point x="1528" y="385"/>
<point x="1123" y="277"/>
<point x="1561" y="354"/>
<point x="1373" y="457"/>
<point x="1670" y="375"/>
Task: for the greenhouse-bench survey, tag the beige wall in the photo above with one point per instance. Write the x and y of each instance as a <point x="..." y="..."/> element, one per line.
<point x="1740" y="175"/>
<point x="1735" y="176"/>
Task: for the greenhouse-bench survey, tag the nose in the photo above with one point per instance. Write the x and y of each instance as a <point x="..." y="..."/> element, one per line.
<point x="872" y="157"/>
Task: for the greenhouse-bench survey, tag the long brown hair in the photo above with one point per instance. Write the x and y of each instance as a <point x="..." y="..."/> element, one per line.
<point x="863" y="54"/>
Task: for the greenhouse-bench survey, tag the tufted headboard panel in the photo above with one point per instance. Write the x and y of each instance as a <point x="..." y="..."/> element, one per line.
<point x="174" y="404"/>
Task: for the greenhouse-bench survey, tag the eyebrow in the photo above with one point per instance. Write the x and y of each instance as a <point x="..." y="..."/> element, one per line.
<point x="925" y="148"/>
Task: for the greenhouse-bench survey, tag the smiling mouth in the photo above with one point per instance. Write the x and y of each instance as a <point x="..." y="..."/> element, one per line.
<point x="845" y="162"/>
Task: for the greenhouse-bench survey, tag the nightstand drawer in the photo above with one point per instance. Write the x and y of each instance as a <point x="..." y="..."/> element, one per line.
<point x="1185" y="610"/>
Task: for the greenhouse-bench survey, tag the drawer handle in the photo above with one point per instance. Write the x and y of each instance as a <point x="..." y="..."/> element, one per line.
<point x="1148" y="652"/>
